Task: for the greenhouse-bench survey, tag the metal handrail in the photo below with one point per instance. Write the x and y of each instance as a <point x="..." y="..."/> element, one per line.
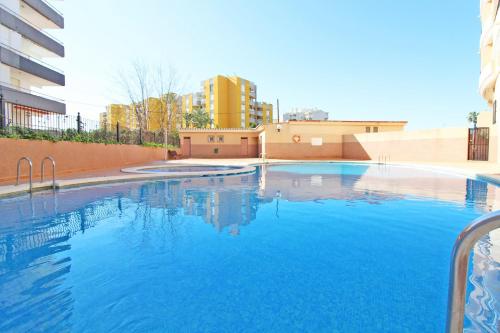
<point x="19" y="171"/>
<point x="53" y="171"/>
<point x="459" y="267"/>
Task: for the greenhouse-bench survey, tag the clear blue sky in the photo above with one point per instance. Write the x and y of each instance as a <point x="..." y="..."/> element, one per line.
<point x="370" y="59"/>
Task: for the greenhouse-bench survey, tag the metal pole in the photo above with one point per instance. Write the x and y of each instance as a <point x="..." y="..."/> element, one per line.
<point x="78" y="123"/>
<point x="118" y="131"/>
<point x="278" y="108"/>
<point x="2" y="112"/>
<point x="460" y="265"/>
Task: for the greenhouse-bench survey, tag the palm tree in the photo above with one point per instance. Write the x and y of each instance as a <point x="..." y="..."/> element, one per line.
<point x="188" y="118"/>
<point x="201" y="119"/>
<point x="472" y="118"/>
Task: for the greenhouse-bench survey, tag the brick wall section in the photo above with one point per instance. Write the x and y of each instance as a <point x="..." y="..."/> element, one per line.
<point x="71" y="156"/>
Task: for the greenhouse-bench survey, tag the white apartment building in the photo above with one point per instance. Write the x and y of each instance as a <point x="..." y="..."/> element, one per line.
<point x="24" y="42"/>
<point x="305" y="114"/>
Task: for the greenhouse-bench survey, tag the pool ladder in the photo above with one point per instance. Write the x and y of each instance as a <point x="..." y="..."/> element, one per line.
<point x="30" y="163"/>
<point x="263" y="156"/>
<point x="53" y="171"/>
<point x="460" y="265"/>
<point x="382" y="159"/>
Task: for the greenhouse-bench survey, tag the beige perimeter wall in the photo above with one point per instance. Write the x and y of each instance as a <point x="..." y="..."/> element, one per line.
<point x="437" y="145"/>
<point x="71" y="156"/>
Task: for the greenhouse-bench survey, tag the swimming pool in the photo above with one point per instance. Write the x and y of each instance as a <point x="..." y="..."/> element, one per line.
<point x="295" y="248"/>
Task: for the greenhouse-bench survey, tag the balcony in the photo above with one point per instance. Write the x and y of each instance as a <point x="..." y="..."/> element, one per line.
<point x="487" y="81"/>
<point x="42" y="14"/>
<point x="27" y="64"/>
<point x="31" y="99"/>
<point x="34" y="34"/>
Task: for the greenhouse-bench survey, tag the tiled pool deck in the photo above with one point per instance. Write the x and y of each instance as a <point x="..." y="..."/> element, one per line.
<point x="485" y="170"/>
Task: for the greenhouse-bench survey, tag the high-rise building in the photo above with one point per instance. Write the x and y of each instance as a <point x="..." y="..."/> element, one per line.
<point x="305" y="114"/>
<point x="489" y="83"/>
<point x="231" y="102"/>
<point x="24" y="41"/>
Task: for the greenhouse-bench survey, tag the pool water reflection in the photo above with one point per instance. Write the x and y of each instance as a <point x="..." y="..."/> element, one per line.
<point x="315" y="247"/>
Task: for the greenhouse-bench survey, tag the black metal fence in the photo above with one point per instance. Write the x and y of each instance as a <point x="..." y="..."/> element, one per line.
<point x="29" y="123"/>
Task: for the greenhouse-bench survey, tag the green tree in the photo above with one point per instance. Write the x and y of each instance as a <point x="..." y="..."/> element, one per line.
<point x="472" y="118"/>
<point x="201" y="119"/>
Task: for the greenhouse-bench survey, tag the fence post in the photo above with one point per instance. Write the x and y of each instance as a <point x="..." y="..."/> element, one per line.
<point x="2" y="112"/>
<point x="78" y="123"/>
<point x="118" y="131"/>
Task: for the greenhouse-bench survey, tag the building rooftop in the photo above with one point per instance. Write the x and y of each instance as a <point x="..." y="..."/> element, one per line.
<point x="349" y="121"/>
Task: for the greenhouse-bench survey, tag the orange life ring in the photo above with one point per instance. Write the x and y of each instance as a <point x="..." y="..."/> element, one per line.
<point x="296" y="138"/>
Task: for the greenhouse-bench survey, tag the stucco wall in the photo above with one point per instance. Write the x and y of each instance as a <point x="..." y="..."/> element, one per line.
<point x="281" y="144"/>
<point x="230" y="147"/>
<point x="437" y="145"/>
<point x="71" y="156"/>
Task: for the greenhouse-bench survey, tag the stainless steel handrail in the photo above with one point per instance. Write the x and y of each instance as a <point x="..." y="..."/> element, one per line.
<point x="459" y="267"/>
<point x="53" y="171"/>
<point x="19" y="171"/>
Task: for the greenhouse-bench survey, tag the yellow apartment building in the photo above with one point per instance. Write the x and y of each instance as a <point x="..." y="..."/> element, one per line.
<point x="156" y="113"/>
<point x="231" y="102"/>
<point x="118" y="113"/>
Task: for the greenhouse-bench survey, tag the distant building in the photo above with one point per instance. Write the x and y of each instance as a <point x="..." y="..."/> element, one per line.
<point x="231" y="102"/>
<point x="154" y="116"/>
<point x="305" y="114"/>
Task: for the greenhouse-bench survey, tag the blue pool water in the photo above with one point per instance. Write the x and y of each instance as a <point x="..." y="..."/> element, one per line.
<point x="290" y="248"/>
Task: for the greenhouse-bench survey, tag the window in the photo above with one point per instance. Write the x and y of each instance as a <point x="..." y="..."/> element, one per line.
<point x="367" y="129"/>
<point x="495" y="112"/>
<point x="220" y="139"/>
<point x="211" y="139"/>
<point x="375" y="129"/>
